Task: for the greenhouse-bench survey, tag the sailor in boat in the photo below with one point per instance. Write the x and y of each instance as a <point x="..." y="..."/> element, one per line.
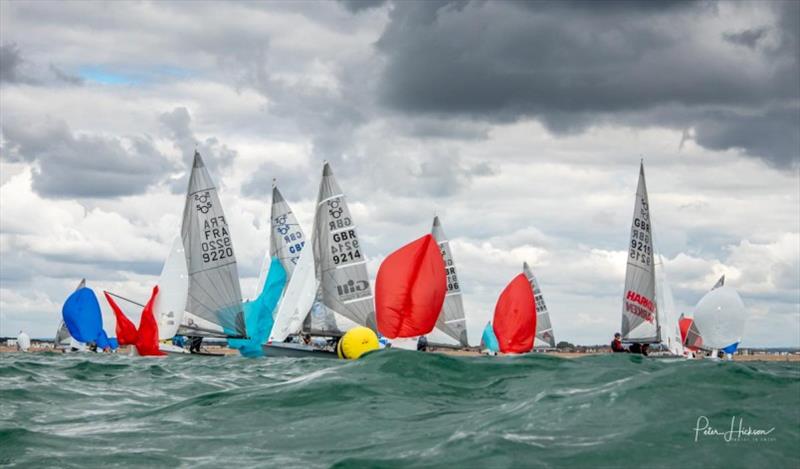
<point x="194" y="344"/>
<point x="616" y="344"/>
<point x="422" y="344"/>
<point x="638" y="348"/>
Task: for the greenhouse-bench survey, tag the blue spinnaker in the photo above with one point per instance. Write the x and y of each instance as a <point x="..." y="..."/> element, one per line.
<point x="82" y="316"/>
<point x="489" y="340"/>
<point x="258" y="312"/>
<point x="731" y="348"/>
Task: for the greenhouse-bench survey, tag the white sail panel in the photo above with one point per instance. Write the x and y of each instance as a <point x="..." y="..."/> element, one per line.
<point x="451" y="320"/>
<point x="639" y="310"/>
<point x="298" y="298"/>
<point x="341" y="266"/>
<point x="214" y="291"/>
<point x="544" y="328"/>
<point x="173" y="289"/>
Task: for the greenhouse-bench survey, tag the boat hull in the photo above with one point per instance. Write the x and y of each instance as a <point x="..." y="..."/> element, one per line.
<point x="284" y="349"/>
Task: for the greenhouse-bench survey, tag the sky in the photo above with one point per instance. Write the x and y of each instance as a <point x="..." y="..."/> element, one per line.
<point x="521" y="124"/>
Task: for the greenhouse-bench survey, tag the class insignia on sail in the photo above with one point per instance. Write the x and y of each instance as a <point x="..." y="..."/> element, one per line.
<point x="410" y="289"/>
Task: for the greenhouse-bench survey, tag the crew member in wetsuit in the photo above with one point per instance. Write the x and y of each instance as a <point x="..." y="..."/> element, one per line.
<point x="194" y="344"/>
<point x="616" y="344"/>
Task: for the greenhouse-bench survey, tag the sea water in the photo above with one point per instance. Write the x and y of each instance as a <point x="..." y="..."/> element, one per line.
<point x="397" y="409"/>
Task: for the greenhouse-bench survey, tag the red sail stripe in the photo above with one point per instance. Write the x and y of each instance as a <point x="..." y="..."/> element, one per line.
<point x="410" y="289"/>
<point x="514" y="320"/>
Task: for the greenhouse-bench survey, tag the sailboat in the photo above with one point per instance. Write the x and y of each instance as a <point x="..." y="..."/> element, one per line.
<point x="452" y="320"/>
<point x="214" y="300"/>
<point x="544" y="328"/>
<point x="644" y="318"/>
<point x="514" y="321"/>
<point x="340" y="294"/>
<point x="410" y="290"/>
<point x="83" y="319"/>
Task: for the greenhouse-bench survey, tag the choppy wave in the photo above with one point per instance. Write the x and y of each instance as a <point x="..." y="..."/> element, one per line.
<point x="394" y="409"/>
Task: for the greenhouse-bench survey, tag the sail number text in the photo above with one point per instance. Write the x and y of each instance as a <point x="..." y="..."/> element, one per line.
<point x="217" y="244"/>
<point x="345" y="247"/>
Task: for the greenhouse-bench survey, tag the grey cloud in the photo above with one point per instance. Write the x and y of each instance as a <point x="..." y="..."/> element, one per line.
<point x="65" y="77"/>
<point x="10" y="61"/>
<point x="216" y="155"/>
<point x="79" y="165"/>
<point x="748" y="37"/>
<point x="575" y="64"/>
<point x="356" y="6"/>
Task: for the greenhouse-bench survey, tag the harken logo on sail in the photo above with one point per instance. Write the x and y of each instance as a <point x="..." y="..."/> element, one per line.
<point x="352" y="289"/>
<point x="639" y="305"/>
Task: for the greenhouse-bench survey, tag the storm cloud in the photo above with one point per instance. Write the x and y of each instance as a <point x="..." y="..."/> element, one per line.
<point x="575" y="64"/>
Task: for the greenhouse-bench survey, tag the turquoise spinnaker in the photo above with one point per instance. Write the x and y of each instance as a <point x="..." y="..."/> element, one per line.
<point x="258" y="312"/>
<point x="489" y="340"/>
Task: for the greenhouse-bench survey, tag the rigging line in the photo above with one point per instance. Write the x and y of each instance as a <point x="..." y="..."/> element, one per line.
<point x="123" y="298"/>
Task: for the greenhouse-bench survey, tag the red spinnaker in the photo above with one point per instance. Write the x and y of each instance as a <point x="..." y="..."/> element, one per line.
<point x="514" y="320"/>
<point x="147" y="344"/>
<point x="684" y="323"/>
<point x="410" y="289"/>
<point x="126" y="331"/>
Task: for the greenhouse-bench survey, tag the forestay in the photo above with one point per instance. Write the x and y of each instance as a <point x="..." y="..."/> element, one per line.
<point x="214" y="292"/>
<point x="451" y="320"/>
<point x="340" y="261"/>
<point x="544" y="328"/>
<point x="639" y="309"/>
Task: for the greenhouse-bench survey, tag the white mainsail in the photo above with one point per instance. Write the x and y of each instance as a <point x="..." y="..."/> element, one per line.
<point x="451" y="320"/>
<point x="639" y="309"/>
<point x="215" y="297"/>
<point x="173" y="289"/>
<point x="544" y="328"/>
<point x="286" y="238"/>
<point x="341" y="266"/>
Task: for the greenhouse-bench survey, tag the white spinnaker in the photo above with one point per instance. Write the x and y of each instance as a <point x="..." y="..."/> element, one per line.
<point x="667" y="313"/>
<point x="544" y="328"/>
<point x="173" y="289"/>
<point x="451" y="320"/>
<point x="298" y="298"/>
<point x="639" y="307"/>
<point x="720" y="317"/>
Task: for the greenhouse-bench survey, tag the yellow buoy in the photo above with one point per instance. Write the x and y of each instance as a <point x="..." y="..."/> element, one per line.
<point x="356" y="342"/>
